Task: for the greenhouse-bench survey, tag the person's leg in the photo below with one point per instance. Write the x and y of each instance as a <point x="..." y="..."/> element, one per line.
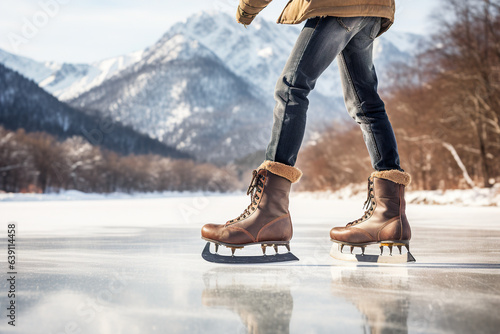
<point x="320" y="41"/>
<point x="384" y="222"/>
<point x="359" y="82"/>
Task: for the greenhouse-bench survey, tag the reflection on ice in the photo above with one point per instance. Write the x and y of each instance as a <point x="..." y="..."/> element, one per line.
<point x="381" y="295"/>
<point x="264" y="305"/>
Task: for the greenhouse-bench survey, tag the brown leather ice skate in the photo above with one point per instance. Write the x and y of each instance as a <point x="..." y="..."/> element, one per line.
<point x="384" y="221"/>
<point x="266" y="221"/>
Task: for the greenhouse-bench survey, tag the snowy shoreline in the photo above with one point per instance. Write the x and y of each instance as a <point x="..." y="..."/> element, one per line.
<point x="461" y="197"/>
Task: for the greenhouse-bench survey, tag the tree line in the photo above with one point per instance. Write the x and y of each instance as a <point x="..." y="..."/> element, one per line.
<point x="38" y="162"/>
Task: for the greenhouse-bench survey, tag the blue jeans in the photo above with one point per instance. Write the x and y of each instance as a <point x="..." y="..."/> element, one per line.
<point x="321" y="40"/>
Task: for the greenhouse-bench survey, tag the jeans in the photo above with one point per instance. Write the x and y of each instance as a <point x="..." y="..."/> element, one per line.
<point x="321" y="40"/>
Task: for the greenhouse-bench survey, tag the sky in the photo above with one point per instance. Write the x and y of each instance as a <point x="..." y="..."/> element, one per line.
<point x="83" y="31"/>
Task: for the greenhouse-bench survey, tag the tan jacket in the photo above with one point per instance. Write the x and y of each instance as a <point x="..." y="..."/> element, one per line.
<point x="297" y="11"/>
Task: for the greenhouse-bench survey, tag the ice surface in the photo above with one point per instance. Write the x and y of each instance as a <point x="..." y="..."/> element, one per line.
<point x="133" y="265"/>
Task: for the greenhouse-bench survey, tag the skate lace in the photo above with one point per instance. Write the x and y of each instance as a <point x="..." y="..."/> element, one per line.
<point x="368" y="205"/>
<point x="254" y="189"/>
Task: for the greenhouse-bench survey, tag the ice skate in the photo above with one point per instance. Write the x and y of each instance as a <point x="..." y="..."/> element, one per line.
<point x="384" y="223"/>
<point x="265" y="222"/>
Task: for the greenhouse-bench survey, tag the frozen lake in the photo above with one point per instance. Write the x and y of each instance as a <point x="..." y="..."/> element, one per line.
<point x="133" y="265"/>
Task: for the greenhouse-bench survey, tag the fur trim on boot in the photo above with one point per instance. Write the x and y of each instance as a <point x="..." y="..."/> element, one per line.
<point x="290" y="173"/>
<point x="394" y="175"/>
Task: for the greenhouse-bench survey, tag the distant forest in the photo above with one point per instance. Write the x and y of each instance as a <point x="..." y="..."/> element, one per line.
<point x="37" y="162"/>
<point x="444" y="107"/>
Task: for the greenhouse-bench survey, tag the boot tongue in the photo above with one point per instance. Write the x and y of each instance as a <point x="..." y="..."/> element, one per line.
<point x="252" y="191"/>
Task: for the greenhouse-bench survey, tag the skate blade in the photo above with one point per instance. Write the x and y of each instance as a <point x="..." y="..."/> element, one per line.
<point x="336" y="253"/>
<point x="227" y="259"/>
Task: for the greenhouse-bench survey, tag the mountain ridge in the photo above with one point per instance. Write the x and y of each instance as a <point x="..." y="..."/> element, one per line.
<point x="193" y="105"/>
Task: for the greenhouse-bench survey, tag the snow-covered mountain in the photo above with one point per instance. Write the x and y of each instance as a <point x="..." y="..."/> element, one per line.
<point x="257" y="53"/>
<point x="65" y="80"/>
<point x="23" y="104"/>
<point x="182" y="94"/>
<point x="29" y="68"/>
<point x="206" y="87"/>
<point x="68" y="80"/>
